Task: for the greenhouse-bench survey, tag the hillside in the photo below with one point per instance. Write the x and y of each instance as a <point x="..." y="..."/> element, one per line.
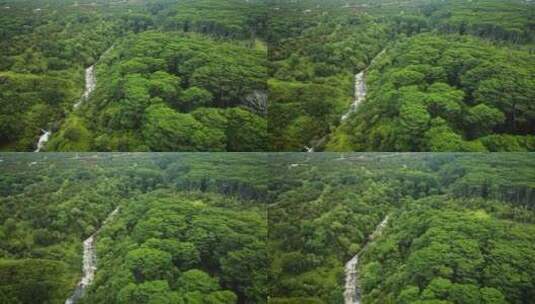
<point x="106" y="71"/>
<point x="418" y="75"/>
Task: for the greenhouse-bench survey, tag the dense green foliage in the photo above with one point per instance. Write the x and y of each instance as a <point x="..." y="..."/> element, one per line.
<point x="40" y="78"/>
<point x="311" y="73"/>
<point x="451" y="93"/>
<point x="460" y="228"/>
<point x="190" y="228"/>
<point x="230" y="18"/>
<point x="453" y="251"/>
<point x="197" y="249"/>
<point x="169" y="92"/>
<point x="183" y="76"/>
<point x="195" y="75"/>
<point x="482" y="49"/>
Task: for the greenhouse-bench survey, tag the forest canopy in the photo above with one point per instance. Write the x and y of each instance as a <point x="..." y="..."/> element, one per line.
<point x="259" y="75"/>
<point x="460" y="75"/>
<point x="187" y="229"/>
<point x="460" y="227"/>
<point x="203" y="63"/>
<point x="452" y="93"/>
<point x="173" y="93"/>
<point x="234" y="228"/>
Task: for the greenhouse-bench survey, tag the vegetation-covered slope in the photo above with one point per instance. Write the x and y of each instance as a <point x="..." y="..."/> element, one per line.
<point x="41" y="78"/>
<point x="183" y="249"/>
<point x="441" y="250"/>
<point x="317" y="47"/>
<point x="314" y="54"/>
<point x="48" y="45"/>
<point x="446" y="93"/>
<point x="206" y="85"/>
<point x="192" y="228"/>
<point x="172" y="92"/>
<point x="189" y="228"/>
<point x="459" y="231"/>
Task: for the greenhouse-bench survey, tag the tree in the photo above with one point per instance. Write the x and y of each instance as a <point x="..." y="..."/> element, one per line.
<point x="34" y="280"/>
<point x="165" y="85"/>
<point x="439" y="288"/>
<point x="243" y="270"/>
<point x="197" y="280"/>
<point x="444" y="101"/>
<point x="221" y="297"/>
<point x="371" y="276"/>
<point x="406" y="77"/>
<point x="465" y="294"/>
<point x="184" y="254"/>
<point x="409" y="295"/>
<point x="148" y="264"/>
<point x="245" y="131"/>
<point x="483" y="119"/>
<point x="152" y="292"/>
<point x="492" y="295"/>
<point x="167" y="130"/>
<point x="193" y="98"/>
<point x="414" y="119"/>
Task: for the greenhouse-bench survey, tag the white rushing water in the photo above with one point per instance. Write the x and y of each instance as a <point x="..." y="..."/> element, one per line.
<point x="352" y="289"/>
<point x="360" y="88"/>
<point x="42" y="140"/>
<point x="89" y="263"/>
<point x="90" y="84"/>
<point x="360" y="91"/>
<point x="360" y="94"/>
<point x="351" y="292"/>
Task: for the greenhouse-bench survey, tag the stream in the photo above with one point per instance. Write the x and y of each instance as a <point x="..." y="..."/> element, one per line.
<point x="352" y="289"/>
<point x="42" y="140"/>
<point x="90" y="85"/>
<point x="360" y="94"/>
<point x="89" y="263"/>
<point x="360" y="90"/>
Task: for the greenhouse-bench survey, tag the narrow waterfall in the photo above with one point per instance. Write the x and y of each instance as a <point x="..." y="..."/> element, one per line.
<point x="360" y="91"/>
<point x="351" y="291"/>
<point x="89" y="263"/>
<point x="360" y="95"/>
<point x="42" y="140"/>
<point x="352" y="288"/>
<point x="90" y="84"/>
<point x="360" y="88"/>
